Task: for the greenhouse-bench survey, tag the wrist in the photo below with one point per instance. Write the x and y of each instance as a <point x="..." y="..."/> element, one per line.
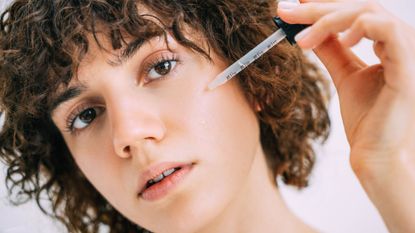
<point x="389" y="181"/>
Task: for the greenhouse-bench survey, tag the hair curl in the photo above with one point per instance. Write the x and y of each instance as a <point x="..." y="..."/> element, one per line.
<point x="43" y="41"/>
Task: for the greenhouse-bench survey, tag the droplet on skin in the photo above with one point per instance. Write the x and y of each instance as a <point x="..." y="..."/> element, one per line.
<point x="203" y="122"/>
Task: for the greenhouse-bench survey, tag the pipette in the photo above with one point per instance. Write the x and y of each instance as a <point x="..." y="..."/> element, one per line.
<point x="286" y="30"/>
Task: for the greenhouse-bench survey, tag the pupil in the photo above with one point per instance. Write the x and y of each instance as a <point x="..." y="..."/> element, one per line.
<point x="88" y="115"/>
<point x="163" y="68"/>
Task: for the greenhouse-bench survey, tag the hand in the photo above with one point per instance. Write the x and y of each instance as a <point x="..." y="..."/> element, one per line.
<point x="377" y="102"/>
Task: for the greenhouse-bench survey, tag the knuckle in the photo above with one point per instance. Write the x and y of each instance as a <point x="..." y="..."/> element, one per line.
<point x="325" y="21"/>
<point x="361" y="20"/>
<point x="391" y="24"/>
<point x="371" y="6"/>
<point x="311" y="9"/>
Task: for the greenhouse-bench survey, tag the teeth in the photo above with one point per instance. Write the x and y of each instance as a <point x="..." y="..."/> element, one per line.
<point x="158" y="178"/>
<point x="162" y="175"/>
<point x="169" y="172"/>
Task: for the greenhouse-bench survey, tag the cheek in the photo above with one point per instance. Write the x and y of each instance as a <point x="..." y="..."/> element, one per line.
<point x="228" y="134"/>
<point x="220" y="120"/>
<point x="218" y="125"/>
<point x="101" y="167"/>
<point x="226" y="122"/>
<point x="220" y="130"/>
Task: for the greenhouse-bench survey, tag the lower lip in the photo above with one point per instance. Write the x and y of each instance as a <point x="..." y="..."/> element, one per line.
<point x="162" y="188"/>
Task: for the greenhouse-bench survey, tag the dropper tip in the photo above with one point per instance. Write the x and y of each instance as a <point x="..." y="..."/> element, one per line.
<point x="216" y="83"/>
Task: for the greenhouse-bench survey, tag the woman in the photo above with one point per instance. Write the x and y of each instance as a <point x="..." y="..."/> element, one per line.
<point x="108" y="102"/>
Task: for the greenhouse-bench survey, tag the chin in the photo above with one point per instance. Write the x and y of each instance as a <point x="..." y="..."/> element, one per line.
<point x="185" y="220"/>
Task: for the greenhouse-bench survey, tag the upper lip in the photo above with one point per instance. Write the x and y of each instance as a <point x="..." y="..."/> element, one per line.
<point x="155" y="170"/>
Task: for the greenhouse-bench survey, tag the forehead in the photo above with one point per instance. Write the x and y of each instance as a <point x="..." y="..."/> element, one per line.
<point x="100" y="48"/>
<point x="147" y="27"/>
<point x="118" y="41"/>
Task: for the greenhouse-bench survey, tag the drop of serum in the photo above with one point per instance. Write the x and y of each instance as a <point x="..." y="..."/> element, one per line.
<point x="203" y="123"/>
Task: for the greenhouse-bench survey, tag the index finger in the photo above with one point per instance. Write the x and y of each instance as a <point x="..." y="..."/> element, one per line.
<point x="308" y="13"/>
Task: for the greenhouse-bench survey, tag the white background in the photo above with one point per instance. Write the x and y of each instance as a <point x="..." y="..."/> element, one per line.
<point x="334" y="201"/>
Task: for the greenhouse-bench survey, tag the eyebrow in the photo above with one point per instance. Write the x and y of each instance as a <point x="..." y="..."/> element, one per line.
<point x="68" y="94"/>
<point x="133" y="47"/>
<point x="75" y="91"/>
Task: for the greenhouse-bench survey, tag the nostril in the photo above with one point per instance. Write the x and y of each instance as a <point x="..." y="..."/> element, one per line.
<point x="151" y="138"/>
<point x="127" y="149"/>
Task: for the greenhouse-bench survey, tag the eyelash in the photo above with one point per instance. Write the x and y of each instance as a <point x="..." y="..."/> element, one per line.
<point x="70" y="120"/>
<point x="162" y="58"/>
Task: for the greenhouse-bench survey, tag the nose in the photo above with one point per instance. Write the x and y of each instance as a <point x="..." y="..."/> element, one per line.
<point x="134" y="127"/>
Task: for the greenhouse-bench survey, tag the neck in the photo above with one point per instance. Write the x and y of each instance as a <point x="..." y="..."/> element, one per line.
<point x="259" y="206"/>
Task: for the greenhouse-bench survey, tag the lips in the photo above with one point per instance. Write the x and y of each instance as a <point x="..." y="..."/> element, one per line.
<point x="157" y="179"/>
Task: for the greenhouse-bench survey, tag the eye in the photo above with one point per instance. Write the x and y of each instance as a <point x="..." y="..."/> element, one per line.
<point x="160" y="66"/>
<point x="161" y="69"/>
<point x="84" y="118"/>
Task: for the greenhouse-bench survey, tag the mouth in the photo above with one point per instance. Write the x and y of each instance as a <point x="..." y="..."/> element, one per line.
<point x="158" y="180"/>
<point x="160" y="177"/>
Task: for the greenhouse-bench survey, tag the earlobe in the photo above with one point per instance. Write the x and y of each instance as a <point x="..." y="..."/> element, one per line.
<point x="277" y="71"/>
<point x="257" y="104"/>
<point x="257" y="107"/>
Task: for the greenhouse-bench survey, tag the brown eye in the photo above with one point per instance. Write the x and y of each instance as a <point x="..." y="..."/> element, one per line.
<point x="161" y="69"/>
<point x="86" y="117"/>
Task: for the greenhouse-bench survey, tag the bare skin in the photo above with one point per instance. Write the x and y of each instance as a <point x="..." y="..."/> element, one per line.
<point x="145" y="129"/>
<point x="377" y="102"/>
<point x="142" y="115"/>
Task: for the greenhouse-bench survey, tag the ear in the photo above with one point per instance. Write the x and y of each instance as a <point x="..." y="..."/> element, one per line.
<point x="257" y="107"/>
<point x="277" y="70"/>
<point x="254" y="103"/>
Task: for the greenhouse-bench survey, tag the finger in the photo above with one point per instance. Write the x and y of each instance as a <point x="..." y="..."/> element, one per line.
<point x="397" y="54"/>
<point x="340" y="61"/>
<point x="328" y="18"/>
<point x="373" y="27"/>
<point x="330" y="24"/>
<point x="307" y="13"/>
<point x="379" y="49"/>
<point x="305" y="1"/>
<point x="340" y="20"/>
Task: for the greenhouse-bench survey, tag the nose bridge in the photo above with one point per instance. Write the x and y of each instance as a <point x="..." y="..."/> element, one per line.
<point x="134" y="122"/>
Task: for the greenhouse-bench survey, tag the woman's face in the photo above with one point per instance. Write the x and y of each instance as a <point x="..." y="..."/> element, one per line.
<point x="126" y="123"/>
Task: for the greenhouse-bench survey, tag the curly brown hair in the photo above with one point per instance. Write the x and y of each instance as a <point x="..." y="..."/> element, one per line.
<point x="43" y="41"/>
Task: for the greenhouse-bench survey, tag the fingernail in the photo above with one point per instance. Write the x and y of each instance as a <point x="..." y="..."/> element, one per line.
<point x="283" y="5"/>
<point x="302" y="34"/>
